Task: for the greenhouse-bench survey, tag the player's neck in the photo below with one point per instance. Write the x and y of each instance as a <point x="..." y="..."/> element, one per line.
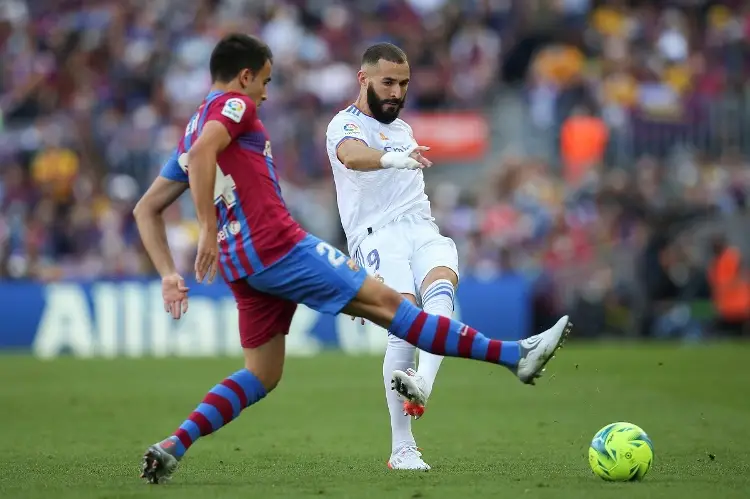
<point x="226" y="87"/>
<point x="361" y="104"/>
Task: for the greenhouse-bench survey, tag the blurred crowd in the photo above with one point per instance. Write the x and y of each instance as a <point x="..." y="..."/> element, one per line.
<point x="95" y="94"/>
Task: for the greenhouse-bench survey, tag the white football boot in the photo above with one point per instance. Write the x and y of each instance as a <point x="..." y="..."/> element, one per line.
<point x="411" y="387"/>
<point x="407" y="457"/>
<point x="539" y="349"/>
<point x="159" y="462"/>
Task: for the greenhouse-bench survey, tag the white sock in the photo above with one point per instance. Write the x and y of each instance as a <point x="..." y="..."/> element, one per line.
<point x="399" y="355"/>
<point x="437" y="299"/>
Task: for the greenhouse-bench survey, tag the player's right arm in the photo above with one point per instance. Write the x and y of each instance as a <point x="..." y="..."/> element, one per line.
<point x="346" y="138"/>
<point x="226" y="119"/>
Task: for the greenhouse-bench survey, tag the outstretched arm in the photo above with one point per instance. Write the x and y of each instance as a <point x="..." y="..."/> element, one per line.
<point x="356" y="155"/>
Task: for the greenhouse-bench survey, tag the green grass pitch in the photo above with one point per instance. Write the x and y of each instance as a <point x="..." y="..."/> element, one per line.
<point x="76" y="429"/>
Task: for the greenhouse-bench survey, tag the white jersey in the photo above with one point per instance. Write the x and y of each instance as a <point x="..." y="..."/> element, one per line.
<point x="368" y="201"/>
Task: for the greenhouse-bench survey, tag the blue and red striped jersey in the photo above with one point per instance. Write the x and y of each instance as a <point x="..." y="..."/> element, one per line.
<point x="255" y="229"/>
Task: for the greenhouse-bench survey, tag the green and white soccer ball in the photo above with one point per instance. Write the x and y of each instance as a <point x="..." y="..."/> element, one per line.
<point x="621" y="452"/>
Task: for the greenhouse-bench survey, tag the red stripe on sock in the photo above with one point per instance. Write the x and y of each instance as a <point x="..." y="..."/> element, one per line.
<point x="493" y="351"/>
<point x="465" y="341"/>
<point x="415" y="331"/>
<point x="237" y="389"/>
<point x="184" y="437"/>
<point x="441" y="335"/>
<point x="204" y="425"/>
<point x="222" y="405"/>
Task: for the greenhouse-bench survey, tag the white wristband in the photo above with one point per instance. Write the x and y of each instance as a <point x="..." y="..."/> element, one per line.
<point x="398" y="160"/>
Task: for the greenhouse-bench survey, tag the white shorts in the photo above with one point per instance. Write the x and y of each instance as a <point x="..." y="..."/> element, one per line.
<point x="405" y="251"/>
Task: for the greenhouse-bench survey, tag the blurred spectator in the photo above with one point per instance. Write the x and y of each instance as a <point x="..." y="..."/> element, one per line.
<point x="730" y="288"/>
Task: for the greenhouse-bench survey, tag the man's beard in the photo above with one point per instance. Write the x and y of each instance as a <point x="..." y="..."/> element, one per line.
<point x="379" y="112"/>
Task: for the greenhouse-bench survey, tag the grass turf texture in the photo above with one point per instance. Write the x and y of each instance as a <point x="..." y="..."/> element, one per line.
<point x="76" y="429"/>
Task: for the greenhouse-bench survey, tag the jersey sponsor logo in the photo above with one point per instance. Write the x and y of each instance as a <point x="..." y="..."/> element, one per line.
<point x="192" y="126"/>
<point x="396" y="149"/>
<point x="352" y="129"/>
<point x="234" y="109"/>
<point x="224" y="186"/>
<point x="232" y="228"/>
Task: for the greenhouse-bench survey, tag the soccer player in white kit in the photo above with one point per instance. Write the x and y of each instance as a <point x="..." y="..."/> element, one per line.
<point x="389" y="227"/>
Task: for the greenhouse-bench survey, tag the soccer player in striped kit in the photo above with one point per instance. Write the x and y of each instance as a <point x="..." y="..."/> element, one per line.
<point x="270" y="263"/>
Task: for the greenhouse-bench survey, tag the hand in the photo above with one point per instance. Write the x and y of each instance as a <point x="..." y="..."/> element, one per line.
<point x="174" y="293"/>
<point x="416" y="154"/>
<point x="409" y="160"/>
<point x="207" y="260"/>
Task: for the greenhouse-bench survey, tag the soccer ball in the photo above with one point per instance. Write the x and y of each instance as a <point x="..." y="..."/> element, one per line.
<point x="621" y="452"/>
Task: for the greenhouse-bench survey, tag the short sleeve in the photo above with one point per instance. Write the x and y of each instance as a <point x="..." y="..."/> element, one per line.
<point x="235" y="111"/>
<point x="172" y="169"/>
<point x="344" y="126"/>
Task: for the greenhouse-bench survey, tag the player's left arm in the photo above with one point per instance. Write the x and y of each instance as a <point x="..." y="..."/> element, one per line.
<point x="164" y="191"/>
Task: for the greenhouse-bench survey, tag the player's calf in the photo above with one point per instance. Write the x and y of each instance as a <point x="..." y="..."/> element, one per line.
<point x="222" y="405"/>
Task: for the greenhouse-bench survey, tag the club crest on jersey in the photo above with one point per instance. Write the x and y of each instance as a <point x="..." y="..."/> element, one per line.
<point x="382" y="136"/>
<point x="352" y="265"/>
<point x="234" y="109"/>
<point x="351" y="129"/>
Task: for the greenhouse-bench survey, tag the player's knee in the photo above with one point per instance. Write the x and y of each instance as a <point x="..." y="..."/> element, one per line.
<point x="269" y="376"/>
<point x="439" y="273"/>
<point x="388" y="299"/>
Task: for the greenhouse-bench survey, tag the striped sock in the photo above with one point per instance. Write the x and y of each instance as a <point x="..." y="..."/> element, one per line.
<point x="222" y="404"/>
<point x="444" y="336"/>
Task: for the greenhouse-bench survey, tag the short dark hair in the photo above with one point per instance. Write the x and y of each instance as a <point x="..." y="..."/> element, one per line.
<point x="236" y="52"/>
<point x="383" y="51"/>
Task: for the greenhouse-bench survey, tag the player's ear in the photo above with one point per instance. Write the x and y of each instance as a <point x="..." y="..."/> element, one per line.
<point x="362" y="77"/>
<point x="246" y="76"/>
